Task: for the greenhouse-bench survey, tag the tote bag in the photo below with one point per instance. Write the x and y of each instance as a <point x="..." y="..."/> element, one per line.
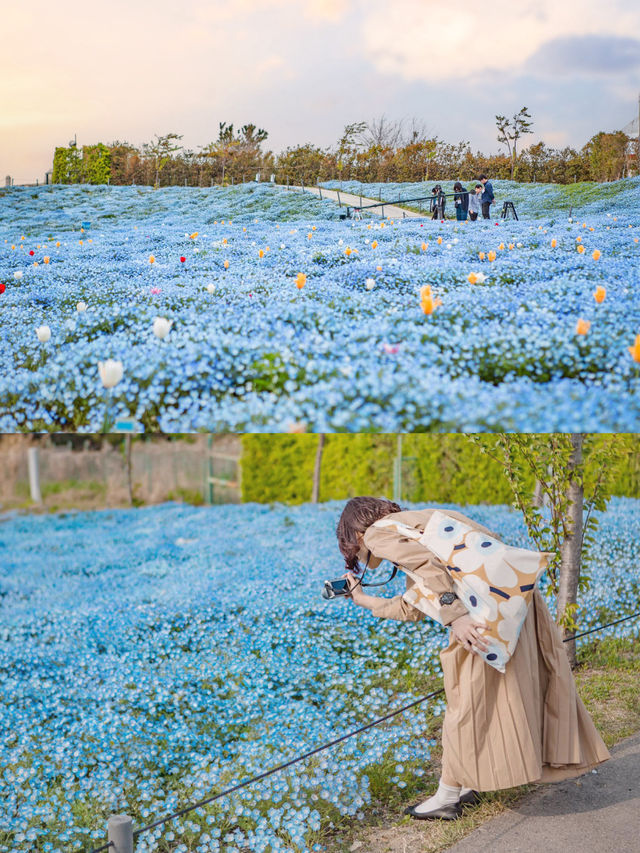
<point x="493" y="580"/>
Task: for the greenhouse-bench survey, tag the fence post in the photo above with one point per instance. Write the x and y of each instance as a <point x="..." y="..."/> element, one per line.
<point x="338" y="194"/>
<point x="34" y="475"/>
<point x="120" y="833"/>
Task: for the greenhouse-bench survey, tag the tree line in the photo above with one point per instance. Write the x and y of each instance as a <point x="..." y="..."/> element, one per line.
<point x="382" y="150"/>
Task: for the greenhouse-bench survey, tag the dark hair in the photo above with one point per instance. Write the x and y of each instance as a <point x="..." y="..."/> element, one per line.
<point x="479" y="187"/>
<point x="457" y="186"/>
<point x="357" y="516"/>
<point x="483" y="177"/>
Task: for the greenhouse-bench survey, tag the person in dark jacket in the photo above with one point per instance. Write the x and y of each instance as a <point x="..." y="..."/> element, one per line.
<point x="488" y="197"/>
<point x="438" y="202"/>
<point x="461" y="201"/>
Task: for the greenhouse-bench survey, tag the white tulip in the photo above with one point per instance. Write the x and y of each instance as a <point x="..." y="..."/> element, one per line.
<point x="211" y="287"/>
<point x="17" y="274"/>
<point x="43" y="333"/>
<point x="370" y="284"/>
<point x="81" y="306"/>
<point x="480" y="278"/>
<point x="162" y="327"/>
<point x="111" y="372"/>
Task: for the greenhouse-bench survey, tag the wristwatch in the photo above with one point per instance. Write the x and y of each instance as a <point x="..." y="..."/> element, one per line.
<point x="448" y="597"/>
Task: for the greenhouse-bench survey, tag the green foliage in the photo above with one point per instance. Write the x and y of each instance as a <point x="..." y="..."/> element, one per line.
<point x="88" y="165"/>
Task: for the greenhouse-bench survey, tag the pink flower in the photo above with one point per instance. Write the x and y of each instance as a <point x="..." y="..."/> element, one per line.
<point x="155" y="290"/>
<point x="392" y="349"/>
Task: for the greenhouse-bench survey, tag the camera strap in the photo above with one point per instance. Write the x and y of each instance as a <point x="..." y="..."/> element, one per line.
<point x="380" y="583"/>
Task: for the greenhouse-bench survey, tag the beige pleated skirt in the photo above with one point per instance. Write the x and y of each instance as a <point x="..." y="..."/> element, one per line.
<point x="526" y="725"/>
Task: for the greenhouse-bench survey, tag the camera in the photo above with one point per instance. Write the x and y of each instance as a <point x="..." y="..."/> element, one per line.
<point x="335" y="588"/>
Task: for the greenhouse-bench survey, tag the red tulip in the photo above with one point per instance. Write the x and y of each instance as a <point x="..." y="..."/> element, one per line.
<point x="3" y="287"/>
<point x="31" y="252"/>
<point x="182" y="259"/>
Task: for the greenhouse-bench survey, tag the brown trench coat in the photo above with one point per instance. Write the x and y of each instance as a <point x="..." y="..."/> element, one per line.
<point x="499" y="730"/>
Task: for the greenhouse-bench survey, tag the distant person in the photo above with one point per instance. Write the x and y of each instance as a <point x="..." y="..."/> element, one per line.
<point x="438" y="202"/>
<point x="475" y="202"/>
<point x="488" y="197"/>
<point x="461" y="201"/>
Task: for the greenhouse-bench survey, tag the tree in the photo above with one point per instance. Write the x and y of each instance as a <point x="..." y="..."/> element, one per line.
<point x="510" y="131"/>
<point x="573" y="475"/>
<point x="607" y="155"/>
<point x="160" y="151"/>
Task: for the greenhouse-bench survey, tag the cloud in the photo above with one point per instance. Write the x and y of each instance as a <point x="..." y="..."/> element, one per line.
<point x="587" y="55"/>
<point x="433" y="41"/>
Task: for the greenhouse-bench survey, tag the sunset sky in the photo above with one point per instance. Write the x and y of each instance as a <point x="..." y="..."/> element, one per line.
<point x="302" y="69"/>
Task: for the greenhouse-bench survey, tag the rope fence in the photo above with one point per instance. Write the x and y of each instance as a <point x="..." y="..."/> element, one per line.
<point x="121" y="833"/>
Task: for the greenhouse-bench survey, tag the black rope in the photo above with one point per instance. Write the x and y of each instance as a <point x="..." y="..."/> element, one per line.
<point x="321" y="748"/>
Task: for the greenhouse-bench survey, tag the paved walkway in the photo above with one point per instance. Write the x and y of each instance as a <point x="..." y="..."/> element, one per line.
<point x="595" y="813"/>
<point x="388" y="211"/>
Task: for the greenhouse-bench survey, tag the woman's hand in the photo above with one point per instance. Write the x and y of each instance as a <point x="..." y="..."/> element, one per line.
<point x="467" y="633"/>
<point x="357" y="594"/>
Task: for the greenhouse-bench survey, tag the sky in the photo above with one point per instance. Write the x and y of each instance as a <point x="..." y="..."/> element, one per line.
<point x="302" y="69"/>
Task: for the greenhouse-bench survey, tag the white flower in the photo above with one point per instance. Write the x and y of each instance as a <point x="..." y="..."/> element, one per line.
<point x="519" y="245"/>
<point x="370" y="284"/>
<point x="81" y="306"/>
<point x="43" y="333"/>
<point x="480" y="278"/>
<point x="111" y="372"/>
<point x="211" y="287"/>
<point x="17" y="274"/>
<point x="162" y="327"/>
<point x="340" y="241"/>
<point x="282" y="246"/>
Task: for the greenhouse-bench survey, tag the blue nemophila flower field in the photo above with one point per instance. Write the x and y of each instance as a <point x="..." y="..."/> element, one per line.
<point x="251" y="346"/>
<point x="151" y="657"/>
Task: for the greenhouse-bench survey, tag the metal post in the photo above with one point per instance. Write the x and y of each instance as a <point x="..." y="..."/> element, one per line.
<point x="397" y="470"/>
<point x="34" y="475"/>
<point x="320" y="191"/>
<point x="382" y="214"/>
<point x="120" y="833"/>
<point x="339" y="202"/>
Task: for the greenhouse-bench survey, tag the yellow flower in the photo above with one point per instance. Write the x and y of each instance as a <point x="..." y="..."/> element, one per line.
<point x="582" y="327"/>
<point x="635" y="349"/>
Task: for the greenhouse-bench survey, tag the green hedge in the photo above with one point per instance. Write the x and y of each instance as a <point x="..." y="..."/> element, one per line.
<point x="444" y="468"/>
<point x="88" y="165"/>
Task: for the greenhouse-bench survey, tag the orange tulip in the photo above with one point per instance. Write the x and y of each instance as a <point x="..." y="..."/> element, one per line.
<point x="501" y="247"/>
<point x="301" y="280"/>
<point x="46" y="259"/>
<point x="582" y="327"/>
<point x="224" y="241"/>
<point x="261" y="253"/>
<point x="578" y="239"/>
<point x="481" y="255"/>
<point x="581" y="250"/>
<point x="226" y="265"/>
<point x="439" y="241"/>
<point x="424" y="247"/>
<point x="492" y="256"/>
<point x="635" y="349"/>
<point x="600" y="294"/>
<point x="472" y="278"/>
<point x="554" y="243"/>
<point x="427" y="302"/>
<point x="511" y="246"/>
<point x="347" y="251"/>
<point x="596" y="254"/>
<point x="379" y="269"/>
<point x="58" y="244"/>
<point x="374" y="245"/>
<point x="152" y="260"/>
<point x="194" y="235"/>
